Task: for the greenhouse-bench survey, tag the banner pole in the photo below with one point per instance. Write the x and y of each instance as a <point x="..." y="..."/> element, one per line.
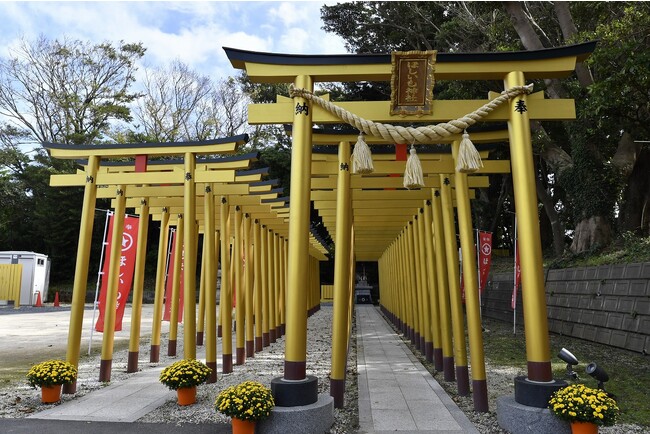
<point x="99" y="274"/>
<point x="172" y="234"/>
<point x="478" y="273"/>
<point x="514" y="310"/>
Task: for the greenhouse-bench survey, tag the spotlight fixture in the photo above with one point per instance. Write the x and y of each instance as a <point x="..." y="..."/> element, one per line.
<point x="598" y="373"/>
<point x="571" y="361"/>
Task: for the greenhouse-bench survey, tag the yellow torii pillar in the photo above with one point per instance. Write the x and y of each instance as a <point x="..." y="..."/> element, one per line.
<point x="225" y="304"/>
<point x="248" y="284"/>
<point x="264" y="287"/>
<point x="211" y="248"/>
<point x="138" y="286"/>
<point x="342" y="275"/>
<point x="189" y="267"/>
<point x="295" y="362"/>
<point x="436" y="321"/>
<point x="427" y="347"/>
<point x="81" y="268"/>
<point x="458" y="326"/>
<point x="472" y="303"/>
<point x="106" y="361"/>
<point x="270" y="243"/>
<point x="538" y="385"/>
<point x="163" y="240"/>
<point x="258" y="291"/>
<point x="240" y="306"/>
<point x="176" y="286"/>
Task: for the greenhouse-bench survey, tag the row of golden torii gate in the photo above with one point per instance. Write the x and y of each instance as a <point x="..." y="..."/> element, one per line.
<point x="411" y="233"/>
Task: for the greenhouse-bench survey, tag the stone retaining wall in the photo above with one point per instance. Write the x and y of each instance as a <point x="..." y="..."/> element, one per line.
<point x="608" y="304"/>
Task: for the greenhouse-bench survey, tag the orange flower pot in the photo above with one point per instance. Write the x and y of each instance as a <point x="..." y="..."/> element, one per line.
<point x="243" y="426"/>
<point x="186" y="395"/>
<point x="584" y="428"/>
<point x="51" y="394"/>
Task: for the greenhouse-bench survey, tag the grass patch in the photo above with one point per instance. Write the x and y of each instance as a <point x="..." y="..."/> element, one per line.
<point x="629" y="373"/>
<point x="628" y="248"/>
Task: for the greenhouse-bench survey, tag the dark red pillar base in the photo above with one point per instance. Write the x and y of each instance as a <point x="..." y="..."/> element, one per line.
<point x="240" y="356"/>
<point x="462" y="373"/>
<point x="171" y="348"/>
<point x="219" y="331"/>
<point x="480" y="395"/>
<point x="132" y="362"/>
<point x="70" y="389"/>
<point x="213" y="375"/>
<point x="423" y="348"/>
<point x="250" y="349"/>
<point x="154" y="354"/>
<point x="105" y="370"/>
<point x="227" y="363"/>
<point x="265" y="340"/>
<point x="272" y="335"/>
<point x="428" y="351"/>
<point x="540" y="371"/>
<point x="199" y="338"/>
<point x="448" y="368"/>
<point x="295" y="370"/>
<point x="337" y="391"/>
<point x="278" y="332"/>
<point x="258" y="344"/>
<point x="437" y="359"/>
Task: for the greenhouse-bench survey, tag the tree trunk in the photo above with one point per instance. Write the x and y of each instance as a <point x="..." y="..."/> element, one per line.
<point x="591" y="233"/>
<point x="635" y="208"/>
<point x="557" y="228"/>
<point x="523" y="27"/>
<point x="569" y="29"/>
<point x="505" y="192"/>
<point x="530" y="40"/>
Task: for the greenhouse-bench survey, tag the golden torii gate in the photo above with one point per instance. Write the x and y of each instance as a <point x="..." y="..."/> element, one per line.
<point x="267" y="214"/>
<point x="92" y="176"/>
<point x="513" y="68"/>
<point x="375" y="231"/>
<point x="163" y="197"/>
<point x="170" y="198"/>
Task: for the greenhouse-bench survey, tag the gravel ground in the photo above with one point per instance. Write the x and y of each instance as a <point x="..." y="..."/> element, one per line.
<point x="500" y="382"/>
<point x="18" y="400"/>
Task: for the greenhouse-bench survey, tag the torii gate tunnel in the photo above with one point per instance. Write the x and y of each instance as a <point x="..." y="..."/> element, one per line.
<point x="406" y="257"/>
<point x="371" y="217"/>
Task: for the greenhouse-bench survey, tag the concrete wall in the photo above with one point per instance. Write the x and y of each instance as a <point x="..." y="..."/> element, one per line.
<point x="608" y="304"/>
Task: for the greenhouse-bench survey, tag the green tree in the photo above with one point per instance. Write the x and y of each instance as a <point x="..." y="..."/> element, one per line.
<point x="583" y="166"/>
<point x="68" y="92"/>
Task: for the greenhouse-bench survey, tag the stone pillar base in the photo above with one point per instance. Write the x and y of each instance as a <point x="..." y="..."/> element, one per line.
<point x="313" y="418"/>
<point x="522" y="419"/>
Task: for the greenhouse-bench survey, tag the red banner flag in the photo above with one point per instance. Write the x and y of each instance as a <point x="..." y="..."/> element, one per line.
<point x="127" y="266"/>
<point x="513" y="301"/>
<point x="485" y="257"/>
<point x="170" y="283"/>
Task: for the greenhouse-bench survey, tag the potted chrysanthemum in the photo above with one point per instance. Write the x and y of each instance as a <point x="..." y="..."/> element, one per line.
<point x="245" y="403"/>
<point x="183" y="376"/>
<point x="585" y="408"/>
<point x="50" y="376"/>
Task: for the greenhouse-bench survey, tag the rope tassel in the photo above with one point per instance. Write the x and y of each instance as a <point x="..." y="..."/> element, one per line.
<point x="413" y="177"/>
<point x="362" y="157"/>
<point x="468" y="159"/>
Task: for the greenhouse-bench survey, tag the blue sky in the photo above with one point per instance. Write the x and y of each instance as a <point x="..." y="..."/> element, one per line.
<point x="193" y="32"/>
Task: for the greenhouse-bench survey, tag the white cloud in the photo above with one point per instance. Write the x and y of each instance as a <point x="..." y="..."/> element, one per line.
<point x="193" y="32"/>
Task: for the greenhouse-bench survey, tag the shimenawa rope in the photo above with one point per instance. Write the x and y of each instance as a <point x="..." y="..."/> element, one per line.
<point x="423" y="134"/>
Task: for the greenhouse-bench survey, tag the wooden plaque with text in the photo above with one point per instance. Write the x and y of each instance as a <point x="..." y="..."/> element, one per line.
<point x="412" y="82"/>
